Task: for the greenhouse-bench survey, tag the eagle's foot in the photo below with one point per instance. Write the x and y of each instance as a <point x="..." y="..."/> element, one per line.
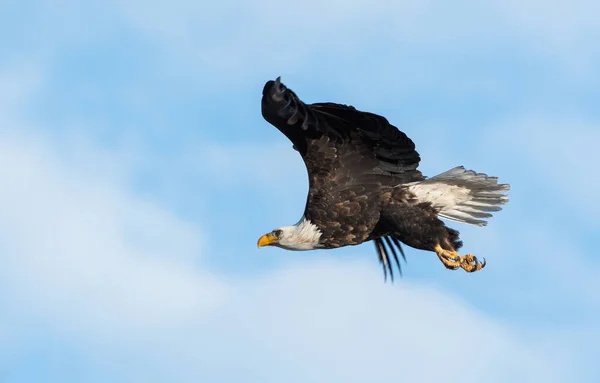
<point x="449" y="263"/>
<point x="452" y="260"/>
<point x="470" y="263"/>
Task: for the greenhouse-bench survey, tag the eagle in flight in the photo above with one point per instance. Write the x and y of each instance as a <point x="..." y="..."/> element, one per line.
<point x="364" y="185"/>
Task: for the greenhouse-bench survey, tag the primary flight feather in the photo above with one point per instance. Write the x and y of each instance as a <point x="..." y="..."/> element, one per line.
<point x="364" y="185"/>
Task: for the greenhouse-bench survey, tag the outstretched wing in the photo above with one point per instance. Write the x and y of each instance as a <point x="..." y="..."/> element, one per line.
<point x="374" y="134"/>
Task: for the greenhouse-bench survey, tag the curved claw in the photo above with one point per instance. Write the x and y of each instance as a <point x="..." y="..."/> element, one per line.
<point x="476" y="262"/>
<point x="470" y="263"/>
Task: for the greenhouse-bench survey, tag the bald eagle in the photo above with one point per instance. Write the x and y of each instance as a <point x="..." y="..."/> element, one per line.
<point x="364" y="185"/>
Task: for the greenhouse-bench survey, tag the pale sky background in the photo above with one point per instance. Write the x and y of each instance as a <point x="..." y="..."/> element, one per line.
<point x="137" y="174"/>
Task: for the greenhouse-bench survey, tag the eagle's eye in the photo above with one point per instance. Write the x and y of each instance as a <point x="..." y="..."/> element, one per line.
<point x="278" y="233"/>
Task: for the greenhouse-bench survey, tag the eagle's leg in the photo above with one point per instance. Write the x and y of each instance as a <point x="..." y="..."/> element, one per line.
<point x="448" y="259"/>
<point x="452" y="260"/>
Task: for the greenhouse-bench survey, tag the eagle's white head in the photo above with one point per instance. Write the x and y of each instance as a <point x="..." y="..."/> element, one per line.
<point x="302" y="236"/>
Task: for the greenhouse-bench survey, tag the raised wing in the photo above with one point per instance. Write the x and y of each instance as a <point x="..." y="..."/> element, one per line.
<point x="301" y="122"/>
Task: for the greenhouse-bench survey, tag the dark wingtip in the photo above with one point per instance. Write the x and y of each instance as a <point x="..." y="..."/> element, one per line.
<point x="399" y="246"/>
<point x="384" y="257"/>
<point x="269" y="84"/>
<point x="274" y="90"/>
<point x="391" y="246"/>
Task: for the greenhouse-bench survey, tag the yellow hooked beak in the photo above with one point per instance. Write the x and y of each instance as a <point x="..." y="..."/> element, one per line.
<point x="267" y="240"/>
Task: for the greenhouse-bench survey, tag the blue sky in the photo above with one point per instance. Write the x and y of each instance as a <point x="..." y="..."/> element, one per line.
<point x="138" y="174"/>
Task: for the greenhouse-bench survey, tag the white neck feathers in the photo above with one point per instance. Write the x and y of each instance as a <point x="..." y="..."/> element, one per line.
<point x="304" y="235"/>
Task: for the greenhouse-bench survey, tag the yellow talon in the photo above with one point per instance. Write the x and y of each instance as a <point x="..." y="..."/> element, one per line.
<point x="452" y="260"/>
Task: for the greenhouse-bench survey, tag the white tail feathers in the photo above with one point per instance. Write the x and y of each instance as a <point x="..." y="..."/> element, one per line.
<point x="462" y="195"/>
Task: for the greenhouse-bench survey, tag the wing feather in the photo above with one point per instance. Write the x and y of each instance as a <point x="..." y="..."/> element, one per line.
<point x="301" y="122"/>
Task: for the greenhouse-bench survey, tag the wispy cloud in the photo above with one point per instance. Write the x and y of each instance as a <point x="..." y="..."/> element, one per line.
<point x="558" y="152"/>
<point x="83" y="254"/>
<point x="92" y="262"/>
<point x="301" y="33"/>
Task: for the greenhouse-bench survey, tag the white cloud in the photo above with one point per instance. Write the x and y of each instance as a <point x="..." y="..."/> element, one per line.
<point x="253" y="165"/>
<point x="348" y="326"/>
<point x="246" y="30"/>
<point x="87" y="256"/>
<point x="559" y="151"/>
<point x="271" y="37"/>
<point x="554" y="21"/>
<point x="20" y="80"/>
<point x="90" y="262"/>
